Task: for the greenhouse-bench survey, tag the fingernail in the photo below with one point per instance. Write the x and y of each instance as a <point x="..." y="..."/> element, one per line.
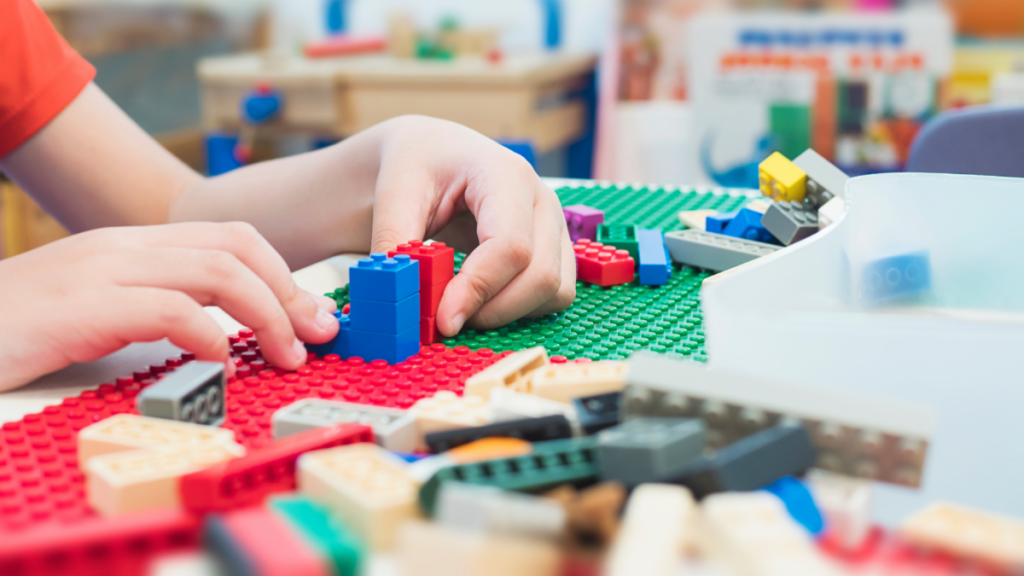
<point x="299" y="349"/>
<point x="458" y="321"/>
<point x="324" y="319"/>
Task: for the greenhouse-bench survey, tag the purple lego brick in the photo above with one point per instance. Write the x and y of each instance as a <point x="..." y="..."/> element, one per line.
<point x="582" y="221"/>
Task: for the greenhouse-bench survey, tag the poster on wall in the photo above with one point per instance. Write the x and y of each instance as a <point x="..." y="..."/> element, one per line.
<point x="855" y="87"/>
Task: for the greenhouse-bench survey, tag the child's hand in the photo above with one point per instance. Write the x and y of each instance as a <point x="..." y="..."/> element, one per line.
<point x="85" y="296"/>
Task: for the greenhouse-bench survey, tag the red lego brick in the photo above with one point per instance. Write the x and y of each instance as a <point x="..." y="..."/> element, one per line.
<point x="346" y="308"/>
<point x="602" y="265"/>
<point x="430" y="297"/>
<point x="271" y="546"/>
<point x="248" y="480"/>
<point x="884" y="553"/>
<point x="114" y="546"/>
<point x="437" y="261"/>
<point x="428" y="330"/>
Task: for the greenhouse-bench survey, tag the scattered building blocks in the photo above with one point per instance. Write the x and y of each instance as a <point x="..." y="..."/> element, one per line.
<point x="713" y="251"/>
<point x="648" y="449"/>
<point x="381" y="278"/>
<point x="656" y="525"/>
<point x="854" y="434"/>
<point x="654" y="263"/>
<point x="846" y="505"/>
<point x="129" y="432"/>
<point x="140" y="480"/>
<point x="799" y="503"/>
<point x="747" y="225"/>
<point x="603" y="265"/>
<point x="530" y="429"/>
<point x="432" y="549"/>
<point x="782" y="180"/>
<point x="550" y="464"/>
<point x="598" y="412"/>
<point x="193" y="392"/>
<point x="790" y="222"/>
<point x="696" y="219"/>
<point x="897" y="277"/>
<point x="492" y="511"/>
<point x="717" y="222"/>
<point x="830" y="212"/>
<point x="751" y="463"/>
<point x="367" y="487"/>
<point x="511" y="405"/>
<point x="248" y="480"/>
<point x="582" y="221"/>
<point x="509" y="372"/>
<point x="324" y="532"/>
<point x="622" y="236"/>
<point x="256" y="541"/>
<point x="392" y="428"/>
<point x="387" y="317"/>
<point x="98" y="546"/>
<point x="592" y="513"/>
<point x="445" y="411"/>
<point x="824" y="180"/>
<point x="968" y="534"/>
<point x="564" y="382"/>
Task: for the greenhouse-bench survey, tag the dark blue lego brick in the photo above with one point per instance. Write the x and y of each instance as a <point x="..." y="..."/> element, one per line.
<point x="393" y="348"/>
<point x="717" y="222"/>
<point x="233" y="560"/>
<point x="596" y="413"/>
<point x="799" y="503"/>
<point x="381" y="278"/>
<point x="653" y="261"/>
<point x="337" y="345"/>
<point x="389" y="317"/>
<point x="897" y="276"/>
<point x="747" y="225"/>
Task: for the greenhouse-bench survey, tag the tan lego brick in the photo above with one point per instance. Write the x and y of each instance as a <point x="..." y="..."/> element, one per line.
<point x="509" y="372"/>
<point x="655" y="527"/>
<point x="130" y="432"/>
<point x="369" y="488"/>
<point x="696" y="219"/>
<point x="430" y="549"/>
<point x="447" y="411"/>
<point x="968" y="533"/>
<point x="563" y="382"/>
<point x="138" y="480"/>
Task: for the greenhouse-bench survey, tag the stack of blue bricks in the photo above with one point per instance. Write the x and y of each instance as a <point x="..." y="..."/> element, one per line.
<point x="383" y="322"/>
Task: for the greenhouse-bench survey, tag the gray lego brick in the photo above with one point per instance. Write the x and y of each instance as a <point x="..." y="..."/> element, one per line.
<point x="854" y="433"/>
<point x="713" y="251"/>
<point x="648" y="449"/>
<point x="193" y="392"/>
<point x="392" y="428"/>
<point x="790" y="222"/>
<point x="824" y="180"/>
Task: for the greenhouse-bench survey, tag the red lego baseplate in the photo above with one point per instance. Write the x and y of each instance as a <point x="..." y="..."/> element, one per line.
<point x="39" y="477"/>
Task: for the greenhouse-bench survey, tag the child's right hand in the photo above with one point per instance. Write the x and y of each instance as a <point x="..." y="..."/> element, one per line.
<point x="88" y="295"/>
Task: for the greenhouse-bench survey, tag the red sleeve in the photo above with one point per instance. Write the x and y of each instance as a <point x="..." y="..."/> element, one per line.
<point x="39" y="73"/>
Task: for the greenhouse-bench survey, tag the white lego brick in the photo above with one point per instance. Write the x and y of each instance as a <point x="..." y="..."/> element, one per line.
<point x="129" y="432"/>
<point x="490" y="510"/>
<point x="845" y="503"/>
<point x="696" y="219"/>
<point x="509" y="372"/>
<point x="446" y="411"/>
<point x="511" y="405"/>
<point x="656" y="527"/>
<point x="713" y="251"/>
<point x="138" y="480"/>
<point x="968" y="533"/>
<point x="393" y="429"/>
<point x="369" y="488"/>
<point x="830" y="212"/>
<point x="431" y="549"/>
<point x="563" y="382"/>
<point x="823" y="172"/>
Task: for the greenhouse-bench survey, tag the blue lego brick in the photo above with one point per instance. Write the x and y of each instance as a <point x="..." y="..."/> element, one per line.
<point x="896" y="276"/>
<point x="717" y="222"/>
<point x="393" y="348"/>
<point x="381" y="278"/>
<point x="653" y="259"/>
<point x="799" y="503"/>
<point x="747" y="225"/>
<point x="388" y="317"/>
<point x="337" y="345"/>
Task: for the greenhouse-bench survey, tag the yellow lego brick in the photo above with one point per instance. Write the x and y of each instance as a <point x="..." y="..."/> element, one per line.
<point x="365" y="485"/>
<point x="969" y="534"/>
<point x="563" y="382"/>
<point x="131" y="432"/>
<point x="432" y="549"/>
<point x="447" y="411"/>
<point x="782" y="180"/>
<point x="137" y="480"/>
<point x="696" y="219"/>
<point x="509" y="372"/>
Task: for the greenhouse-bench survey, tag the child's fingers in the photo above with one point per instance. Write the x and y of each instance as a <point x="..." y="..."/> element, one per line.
<point x="402" y="208"/>
<point x="567" y="290"/>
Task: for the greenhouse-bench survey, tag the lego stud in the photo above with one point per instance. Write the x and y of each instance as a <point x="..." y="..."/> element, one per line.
<point x="390" y="264"/>
<point x="365" y="263"/>
<point x="379" y="256"/>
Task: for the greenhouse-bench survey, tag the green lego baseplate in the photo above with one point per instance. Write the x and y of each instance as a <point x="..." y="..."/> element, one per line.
<point x="611" y="323"/>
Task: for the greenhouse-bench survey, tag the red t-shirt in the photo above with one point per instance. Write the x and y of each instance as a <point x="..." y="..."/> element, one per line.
<point x="39" y="73"/>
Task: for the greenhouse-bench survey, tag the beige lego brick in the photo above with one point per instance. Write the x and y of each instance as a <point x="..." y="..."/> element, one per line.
<point x="508" y="372"/>
<point x="364" y="484"/>
<point x="830" y="212"/>
<point x="696" y="219"/>
<point x="754" y="535"/>
<point x="138" y="480"/>
<point x="656" y="526"/>
<point x="563" y="382"/>
<point x="759" y="204"/>
<point x="446" y="411"/>
<point x="430" y="549"/>
<point x="845" y="503"/>
<point x="130" y="432"/>
<point x="968" y="533"/>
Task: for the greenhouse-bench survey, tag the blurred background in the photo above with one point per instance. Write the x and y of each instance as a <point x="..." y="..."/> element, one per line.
<point x="678" y="92"/>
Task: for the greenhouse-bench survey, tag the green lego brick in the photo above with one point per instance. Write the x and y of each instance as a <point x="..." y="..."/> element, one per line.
<point x="323" y="531"/>
<point x="622" y="236"/>
<point x="551" y="464"/>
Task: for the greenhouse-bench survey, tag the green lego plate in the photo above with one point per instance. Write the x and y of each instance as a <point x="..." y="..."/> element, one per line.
<point x="611" y="323"/>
